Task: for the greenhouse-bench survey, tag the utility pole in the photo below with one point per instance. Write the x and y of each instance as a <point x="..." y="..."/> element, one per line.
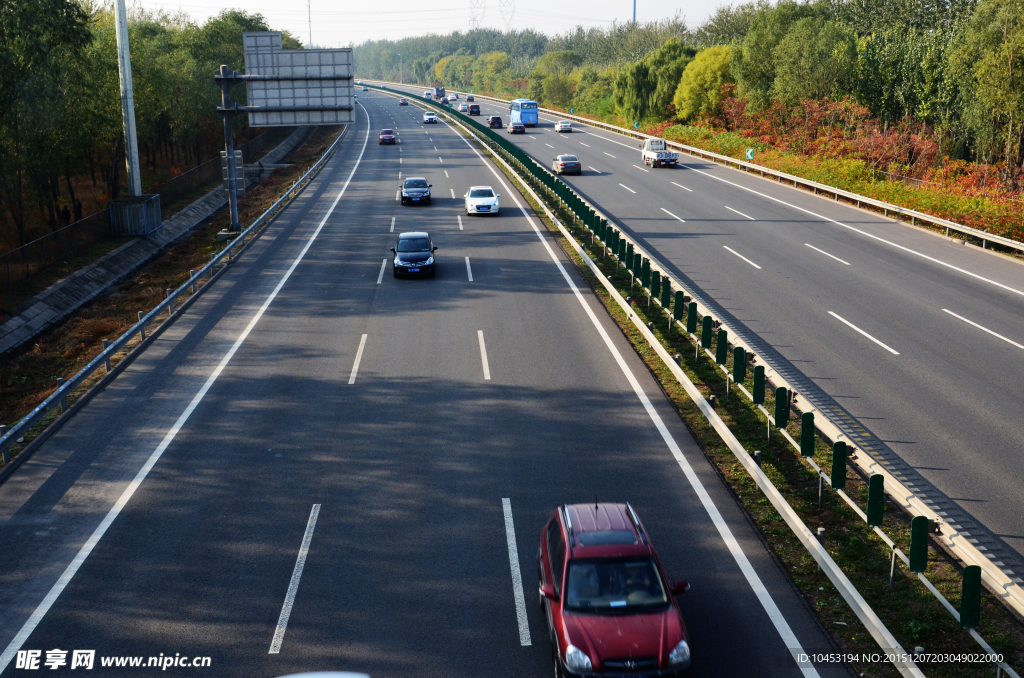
<point x="124" y="68"/>
<point x="226" y="78"/>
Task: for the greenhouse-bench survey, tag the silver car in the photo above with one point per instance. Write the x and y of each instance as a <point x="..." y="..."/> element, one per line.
<point x="563" y="126"/>
<point x="481" y="200"/>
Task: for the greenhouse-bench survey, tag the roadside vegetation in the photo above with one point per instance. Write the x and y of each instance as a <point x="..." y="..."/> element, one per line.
<point x="918" y="104"/>
<point x="61" y="135"/>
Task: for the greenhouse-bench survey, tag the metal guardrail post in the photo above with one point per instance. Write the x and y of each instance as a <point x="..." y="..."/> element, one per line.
<point x="192" y="277"/>
<point x="63" y="398"/>
<point x="143" y="330"/>
<point x="3" y="453"/>
<point x="106" y="360"/>
<point x="170" y="305"/>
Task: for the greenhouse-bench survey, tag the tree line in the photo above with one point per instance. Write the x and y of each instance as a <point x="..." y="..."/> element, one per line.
<point x="61" y="128"/>
<point x="951" y="69"/>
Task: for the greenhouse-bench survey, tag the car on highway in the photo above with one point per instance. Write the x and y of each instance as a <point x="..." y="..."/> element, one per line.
<point x="365" y="88"/>
<point x="563" y="126"/>
<point x="464" y="108"/>
<point x="474" y="109"/>
<point x="469" y="97"/>
<point x="403" y="102"/>
<point x="610" y="609"/>
<point x="443" y="101"/>
<point x="656" y="154"/>
<point x="453" y="96"/>
<point x="428" y="94"/>
<point x="481" y="200"/>
<point x="516" y="128"/>
<point x="414" y="254"/>
<point x="386" y="136"/>
<point x="567" y="164"/>
<point x="494" y="122"/>
<point x="430" y="118"/>
<point x="415" y="190"/>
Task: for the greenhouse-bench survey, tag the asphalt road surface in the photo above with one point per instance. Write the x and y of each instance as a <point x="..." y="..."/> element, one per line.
<point x="919" y="338"/>
<point x="308" y="470"/>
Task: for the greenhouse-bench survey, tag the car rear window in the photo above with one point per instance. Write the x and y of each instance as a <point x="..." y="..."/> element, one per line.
<point x="481" y="193"/>
<point x="567" y="158"/>
<point x="414" y="244"/>
<point x="386" y="131"/>
<point x="614" y="586"/>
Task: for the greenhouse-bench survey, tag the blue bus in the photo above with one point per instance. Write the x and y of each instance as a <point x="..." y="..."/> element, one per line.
<point x="524" y="111"/>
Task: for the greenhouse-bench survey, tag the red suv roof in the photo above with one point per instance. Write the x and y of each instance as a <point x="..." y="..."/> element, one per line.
<point x="605" y="530"/>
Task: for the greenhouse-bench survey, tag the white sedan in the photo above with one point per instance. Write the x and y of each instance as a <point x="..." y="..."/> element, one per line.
<point x="453" y="96"/>
<point x="563" y="126"/>
<point x="429" y="117"/>
<point x="481" y="200"/>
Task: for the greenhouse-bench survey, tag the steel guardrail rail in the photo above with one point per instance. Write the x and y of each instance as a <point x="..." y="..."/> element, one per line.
<point x="58" y="397"/>
<point x="860" y="607"/>
<point x="886" y="207"/>
<point x="995" y="578"/>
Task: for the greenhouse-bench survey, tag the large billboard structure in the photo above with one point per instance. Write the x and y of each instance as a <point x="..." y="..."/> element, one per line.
<point x="285" y="88"/>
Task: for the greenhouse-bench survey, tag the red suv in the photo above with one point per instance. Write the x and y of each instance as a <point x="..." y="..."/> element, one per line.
<point x="609" y="606"/>
<point x="386" y="136"/>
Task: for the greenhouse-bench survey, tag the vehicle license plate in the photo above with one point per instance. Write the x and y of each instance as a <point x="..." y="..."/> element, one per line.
<point x="415" y="199"/>
<point x="483" y="209"/>
<point x="414" y="270"/>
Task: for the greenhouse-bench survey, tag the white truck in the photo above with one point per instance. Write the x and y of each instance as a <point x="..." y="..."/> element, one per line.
<point x="656" y="153"/>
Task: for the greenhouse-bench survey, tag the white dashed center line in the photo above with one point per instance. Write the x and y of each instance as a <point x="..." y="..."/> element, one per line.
<point x="608" y="154"/>
<point x="627" y="188"/>
<point x="392" y="227"/>
<point x="672" y="215"/>
<point x="682" y="187"/>
<point x="517" y="577"/>
<point x="453" y="193"/>
<point x="359" y="353"/>
<point x="583" y="144"/>
<point x="739" y="213"/>
<point x="460" y="222"/>
<point x="827" y="254"/>
<point x="741" y="257"/>
<point x="469" y="269"/>
<point x="595" y="169"/>
<point x="983" y="329"/>
<point x="854" y="327"/>
<point x="483" y="350"/>
<point x="293" y="587"/>
<point x="640" y="168"/>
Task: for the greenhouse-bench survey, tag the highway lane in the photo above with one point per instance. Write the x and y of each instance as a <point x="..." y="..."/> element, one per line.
<point x="407" y="458"/>
<point x="946" y="404"/>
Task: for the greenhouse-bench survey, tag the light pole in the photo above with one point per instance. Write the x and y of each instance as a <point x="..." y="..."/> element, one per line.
<point x="124" y="67"/>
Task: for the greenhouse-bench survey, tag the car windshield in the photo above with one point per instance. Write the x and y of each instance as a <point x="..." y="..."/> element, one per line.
<point x="415" y="183"/>
<point x="614" y="586"/>
<point x="386" y="131"/>
<point x="567" y="158"/>
<point x="481" y="193"/>
<point x="418" y="244"/>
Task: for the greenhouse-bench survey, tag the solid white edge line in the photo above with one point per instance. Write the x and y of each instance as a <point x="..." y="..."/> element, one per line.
<point x="983" y="329"/>
<point x="854" y="327"/>
<point x="683" y="187"/>
<point x="469" y="270"/>
<point x="672" y="215"/>
<point x="37" y="615"/>
<point x="517" y="577"/>
<point x="483" y="351"/>
<point x="384" y="263"/>
<point x="738" y="212"/>
<point x="293" y="586"/>
<point x="742" y="257"/>
<point x="827" y="254"/>
<point x="627" y="188"/>
<point x="861" y="232"/>
<point x="359" y="354"/>
<point x="767" y="602"/>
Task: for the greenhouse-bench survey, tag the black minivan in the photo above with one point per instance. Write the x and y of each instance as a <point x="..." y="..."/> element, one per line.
<point x="474" y="109"/>
<point x="494" y="122"/>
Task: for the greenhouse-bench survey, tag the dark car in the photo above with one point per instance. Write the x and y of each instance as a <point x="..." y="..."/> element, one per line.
<point x="415" y="190"/>
<point x="386" y="136"/>
<point x="494" y="122"/>
<point x="403" y="102"/>
<point x="414" y="254"/>
<point x="567" y="164"/>
<point x="469" y="97"/>
<point x="474" y="109"/>
<point x="610" y="609"/>
<point x="516" y="128"/>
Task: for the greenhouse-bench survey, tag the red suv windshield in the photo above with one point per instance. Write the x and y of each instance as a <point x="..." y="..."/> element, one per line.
<point x="614" y="586"/>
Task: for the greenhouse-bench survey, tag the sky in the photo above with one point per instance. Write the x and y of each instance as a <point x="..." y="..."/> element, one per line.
<point x="339" y="23"/>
